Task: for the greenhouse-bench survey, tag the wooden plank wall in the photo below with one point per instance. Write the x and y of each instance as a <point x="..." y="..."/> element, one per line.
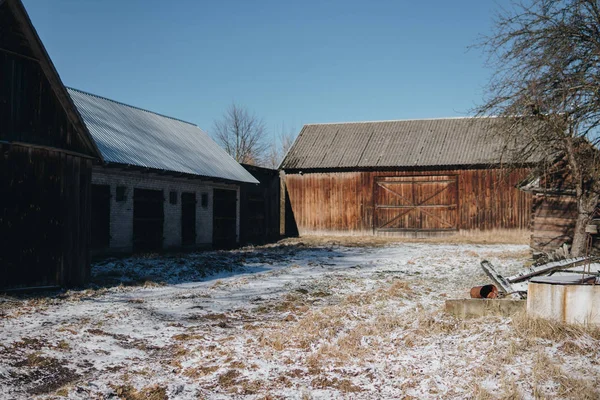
<point x="44" y="217"/>
<point x="259" y="208"/>
<point x="29" y="110"/>
<point x="552" y="221"/>
<point x="342" y="202"/>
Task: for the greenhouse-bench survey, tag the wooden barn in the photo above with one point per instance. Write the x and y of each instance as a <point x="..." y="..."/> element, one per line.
<point x="412" y="178"/>
<point x="554" y="209"/>
<point x="553" y="217"/>
<point x="46" y="156"/>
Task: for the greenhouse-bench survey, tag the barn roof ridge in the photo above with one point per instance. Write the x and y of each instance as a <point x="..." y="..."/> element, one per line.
<point x="401" y="120"/>
<point x="129" y="105"/>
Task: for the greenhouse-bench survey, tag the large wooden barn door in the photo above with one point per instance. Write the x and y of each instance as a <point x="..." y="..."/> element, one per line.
<point x="148" y="219"/>
<point x="416" y="203"/>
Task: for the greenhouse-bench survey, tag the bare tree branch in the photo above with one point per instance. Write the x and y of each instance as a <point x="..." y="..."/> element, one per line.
<point x="546" y="58"/>
<point x="242" y="135"/>
<point x="279" y="147"/>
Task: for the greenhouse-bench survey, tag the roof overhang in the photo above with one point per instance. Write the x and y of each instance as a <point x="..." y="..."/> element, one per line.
<point x="136" y="168"/>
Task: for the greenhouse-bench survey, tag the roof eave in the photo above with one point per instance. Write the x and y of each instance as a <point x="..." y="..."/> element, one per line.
<point x="138" y="168"/>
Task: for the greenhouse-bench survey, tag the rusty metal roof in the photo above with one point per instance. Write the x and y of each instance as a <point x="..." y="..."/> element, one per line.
<point x="133" y="136"/>
<point x="407" y="143"/>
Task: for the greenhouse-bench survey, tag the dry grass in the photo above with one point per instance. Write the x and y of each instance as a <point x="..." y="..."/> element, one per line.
<point x="527" y="327"/>
<point x="154" y="392"/>
<point x="201" y="371"/>
<point x="363" y="327"/>
<point x="184" y="337"/>
<point x="229" y="378"/>
<point x="343" y="385"/>
<point x="397" y="290"/>
<point x="482" y="237"/>
<point x="350" y="335"/>
<point x="355" y="329"/>
<point x="547" y="374"/>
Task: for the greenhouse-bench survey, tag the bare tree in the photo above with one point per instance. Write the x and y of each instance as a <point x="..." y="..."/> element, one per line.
<point x="242" y="135"/>
<point x="279" y="147"/>
<point x="546" y="57"/>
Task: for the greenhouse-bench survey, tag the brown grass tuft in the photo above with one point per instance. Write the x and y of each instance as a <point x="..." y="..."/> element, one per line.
<point x="528" y="327"/>
<point x="154" y="392"/>
<point x="199" y="372"/>
<point x="229" y="378"/>
<point x="184" y="337"/>
<point x="343" y="385"/>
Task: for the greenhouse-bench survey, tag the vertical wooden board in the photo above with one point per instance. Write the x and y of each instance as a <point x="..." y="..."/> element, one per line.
<point x="87" y="218"/>
<point x="345" y="201"/>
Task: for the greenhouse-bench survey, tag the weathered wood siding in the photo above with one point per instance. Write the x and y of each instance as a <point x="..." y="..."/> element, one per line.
<point x="45" y="168"/>
<point x="553" y="219"/>
<point x="44" y="217"/>
<point x="29" y="109"/>
<point x="344" y="202"/>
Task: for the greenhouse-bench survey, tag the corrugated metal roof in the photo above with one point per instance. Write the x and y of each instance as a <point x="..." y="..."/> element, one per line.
<point x="133" y="136"/>
<point x="409" y="143"/>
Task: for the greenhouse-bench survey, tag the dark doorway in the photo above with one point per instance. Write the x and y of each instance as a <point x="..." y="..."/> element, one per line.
<point x="253" y="219"/>
<point x="100" y="216"/>
<point x="188" y="219"/>
<point x="224" y="218"/>
<point x="148" y="218"/>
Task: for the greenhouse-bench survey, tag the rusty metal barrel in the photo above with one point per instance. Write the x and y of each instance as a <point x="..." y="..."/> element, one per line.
<point x="484" y="292"/>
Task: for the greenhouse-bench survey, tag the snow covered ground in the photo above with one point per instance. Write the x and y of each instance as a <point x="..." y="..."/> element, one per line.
<point x="290" y="321"/>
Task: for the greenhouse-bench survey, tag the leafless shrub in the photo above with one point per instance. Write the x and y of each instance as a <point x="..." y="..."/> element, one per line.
<point x="242" y="135"/>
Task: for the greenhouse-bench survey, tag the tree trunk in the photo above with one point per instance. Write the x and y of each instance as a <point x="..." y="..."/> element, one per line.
<point x="586" y="207"/>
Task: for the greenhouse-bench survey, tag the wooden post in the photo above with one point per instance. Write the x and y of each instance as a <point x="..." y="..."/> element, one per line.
<point x="282" y="204"/>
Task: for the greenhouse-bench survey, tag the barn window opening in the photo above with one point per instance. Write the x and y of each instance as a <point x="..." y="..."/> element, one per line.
<point x="173" y="197"/>
<point x="204" y="200"/>
<point x="121" y="193"/>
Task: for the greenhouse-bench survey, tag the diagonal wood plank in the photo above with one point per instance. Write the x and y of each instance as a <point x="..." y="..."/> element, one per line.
<point x="426" y="210"/>
<point x="410" y="202"/>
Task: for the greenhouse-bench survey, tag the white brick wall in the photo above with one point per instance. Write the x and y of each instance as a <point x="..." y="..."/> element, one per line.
<point x="121" y="213"/>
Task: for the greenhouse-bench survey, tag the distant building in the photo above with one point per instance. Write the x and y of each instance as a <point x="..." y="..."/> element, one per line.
<point x="164" y="183"/>
<point x="410" y="178"/>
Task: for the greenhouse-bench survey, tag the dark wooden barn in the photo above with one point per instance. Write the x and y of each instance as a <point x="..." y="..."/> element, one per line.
<point x="259" y="208"/>
<point x="46" y="157"/>
<point x="412" y="178"/>
<point x="553" y="217"/>
<point x="553" y="209"/>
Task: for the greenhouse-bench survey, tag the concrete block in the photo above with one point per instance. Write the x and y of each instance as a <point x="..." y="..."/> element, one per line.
<point x="573" y="304"/>
<point x="475" y="308"/>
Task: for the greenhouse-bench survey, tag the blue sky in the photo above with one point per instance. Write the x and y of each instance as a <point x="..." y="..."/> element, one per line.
<point x="290" y="62"/>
